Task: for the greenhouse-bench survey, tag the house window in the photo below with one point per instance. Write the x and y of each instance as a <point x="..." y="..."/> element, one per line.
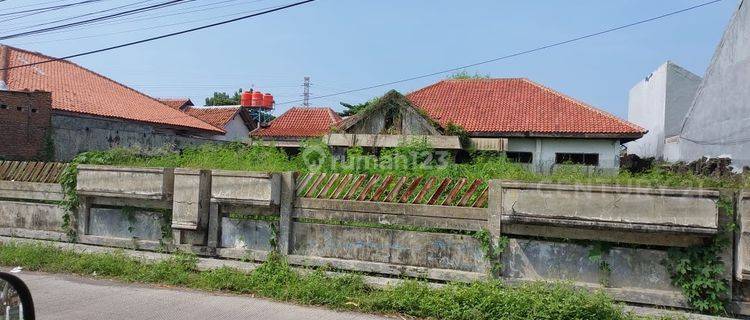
<point x="520" y="157"/>
<point x="3" y="106"/>
<point x="589" y="159"/>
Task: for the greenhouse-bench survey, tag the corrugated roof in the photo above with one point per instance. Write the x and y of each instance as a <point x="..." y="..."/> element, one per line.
<point x="77" y="89"/>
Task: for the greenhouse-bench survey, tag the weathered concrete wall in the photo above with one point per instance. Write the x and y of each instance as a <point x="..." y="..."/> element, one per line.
<point x="76" y="133"/>
<point x="605" y="206"/>
<point x="28" y="209"/>
<point x="110" y="181"/>
<point x="32" y="216"/>
<point x="424" y="249"/>
<point x="637" y="275"/>
<point x="539" y="220"/>
<point x="116" y="223"/>
<point x="245" y="187"/>
<point x="246" y="234"/>
<point x="742" y="258"/>
<point x="192" y="193"/>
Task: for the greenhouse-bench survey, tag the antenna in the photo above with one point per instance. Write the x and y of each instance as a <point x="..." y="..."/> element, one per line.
<point x="306" y="93"/>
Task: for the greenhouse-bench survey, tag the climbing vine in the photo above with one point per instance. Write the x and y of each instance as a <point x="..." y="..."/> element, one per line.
<point x="699" y="271"/>
<point x="598" y="254"/>
<point x="492" y="251"/>
<point x="70" y="201"/>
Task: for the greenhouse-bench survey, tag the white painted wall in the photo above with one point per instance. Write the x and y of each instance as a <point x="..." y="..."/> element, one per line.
<point x="545" y="149"/>
<point x="718" y="122"/>
<point x="236" y="130"/>
<point x="659" y="104"/>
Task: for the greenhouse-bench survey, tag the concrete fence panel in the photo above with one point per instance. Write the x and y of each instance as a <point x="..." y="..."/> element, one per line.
<point x="30" y="209"/>
<point x="121" y="182"/>
<point x="609" y="207"/>
<point x="252" y="188"/>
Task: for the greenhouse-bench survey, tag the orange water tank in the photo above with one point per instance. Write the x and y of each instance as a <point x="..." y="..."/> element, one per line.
<point x="246" y="99"/>
<point x="257" y="100"/>
<point x="267" y="100"/>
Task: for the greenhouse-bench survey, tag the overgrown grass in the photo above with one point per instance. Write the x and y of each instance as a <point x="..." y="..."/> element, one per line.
<point x="409" y="159"/>
<point x="275" y="279"/>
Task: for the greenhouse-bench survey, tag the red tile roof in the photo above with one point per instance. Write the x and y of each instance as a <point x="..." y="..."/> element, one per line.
<point x="216" y="116"/>
<point x="300" y="122"/>
<point x="77" y="89"/>
<point x="176" y="103"/>
<point x="516" y="106"/>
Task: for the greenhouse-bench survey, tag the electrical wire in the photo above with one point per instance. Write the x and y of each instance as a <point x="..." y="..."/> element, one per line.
<point x="57" y="7"/>
<point x="142" y="29"/>
<point x="119" y="14"/>
<point x="512" y="55"/>
<point x="121" y="20"/>
<point x="161" y="36"/>
<point x="76" y="17"/>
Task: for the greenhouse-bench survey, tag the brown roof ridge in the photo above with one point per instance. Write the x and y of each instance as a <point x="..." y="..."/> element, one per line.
<point x="105" y="78"/>
<point x="583" y="104"/>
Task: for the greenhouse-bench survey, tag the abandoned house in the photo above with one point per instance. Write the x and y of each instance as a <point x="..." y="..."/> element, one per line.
<point x="532" y="124"/>
<point x="92" y="112"/>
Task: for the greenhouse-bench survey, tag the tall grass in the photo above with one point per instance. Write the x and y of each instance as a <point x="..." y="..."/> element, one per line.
<point x="277" y="280"/>
<point x="408" y="159"/>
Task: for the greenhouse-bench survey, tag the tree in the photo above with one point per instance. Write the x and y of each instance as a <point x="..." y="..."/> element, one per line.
<point x="465" y="75"/>
<point x="352" y="109"/>
<point x="223" y="99"/>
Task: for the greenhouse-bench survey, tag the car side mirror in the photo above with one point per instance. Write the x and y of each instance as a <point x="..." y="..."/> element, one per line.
<point x="15" y="299"/>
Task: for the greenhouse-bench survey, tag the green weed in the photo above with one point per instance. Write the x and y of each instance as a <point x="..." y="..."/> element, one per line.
<point x="275" y="279"/>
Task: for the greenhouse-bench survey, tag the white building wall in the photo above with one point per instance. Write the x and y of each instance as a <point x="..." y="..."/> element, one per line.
<point x="718" y="123"/>
<point x="236" y="130"/>
<point x="659" y="103"/>
<point x="544" y="150"/>
<point x="646" y="103"/>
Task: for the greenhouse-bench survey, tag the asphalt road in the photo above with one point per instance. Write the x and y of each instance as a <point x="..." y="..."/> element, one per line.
<point x="70" y="297"/>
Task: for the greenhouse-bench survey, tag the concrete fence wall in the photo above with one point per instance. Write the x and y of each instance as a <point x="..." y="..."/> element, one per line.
<point x="551" y="230"/>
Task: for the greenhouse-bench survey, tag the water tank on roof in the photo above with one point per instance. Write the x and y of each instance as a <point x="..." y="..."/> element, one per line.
<point x="268" y="100"/>
<point x="246" y="98"/>
<point x="257" y="100"/>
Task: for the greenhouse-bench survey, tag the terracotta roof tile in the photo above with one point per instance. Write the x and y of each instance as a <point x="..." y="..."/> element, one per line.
<point x="515" y="106"/>
<point x="216" y="116"/>
<point x="299" y="122"/>
<point x="77" y="89"/>
<point x="176" y="103"/>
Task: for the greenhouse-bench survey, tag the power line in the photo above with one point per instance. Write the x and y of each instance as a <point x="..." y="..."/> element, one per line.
<point x="119" y="14"/>
<point x="512" y="55"/>
<point x="57" y="7"/>
<point x="120" y="20"/>
<point x="161" y="36"/>
<point x="146" y="28"/>
<point x="142" y="29"/>
<point x="79" y="16"/>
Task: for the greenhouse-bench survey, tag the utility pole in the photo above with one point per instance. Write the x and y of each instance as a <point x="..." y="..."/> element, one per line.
<point x="306" y="93"/>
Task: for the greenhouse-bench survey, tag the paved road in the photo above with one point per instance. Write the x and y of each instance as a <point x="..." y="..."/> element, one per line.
<point x="69" y="297"/>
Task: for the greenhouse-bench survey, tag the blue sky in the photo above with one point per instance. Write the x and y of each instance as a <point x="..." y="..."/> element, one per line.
<point x="347" y="44"/>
